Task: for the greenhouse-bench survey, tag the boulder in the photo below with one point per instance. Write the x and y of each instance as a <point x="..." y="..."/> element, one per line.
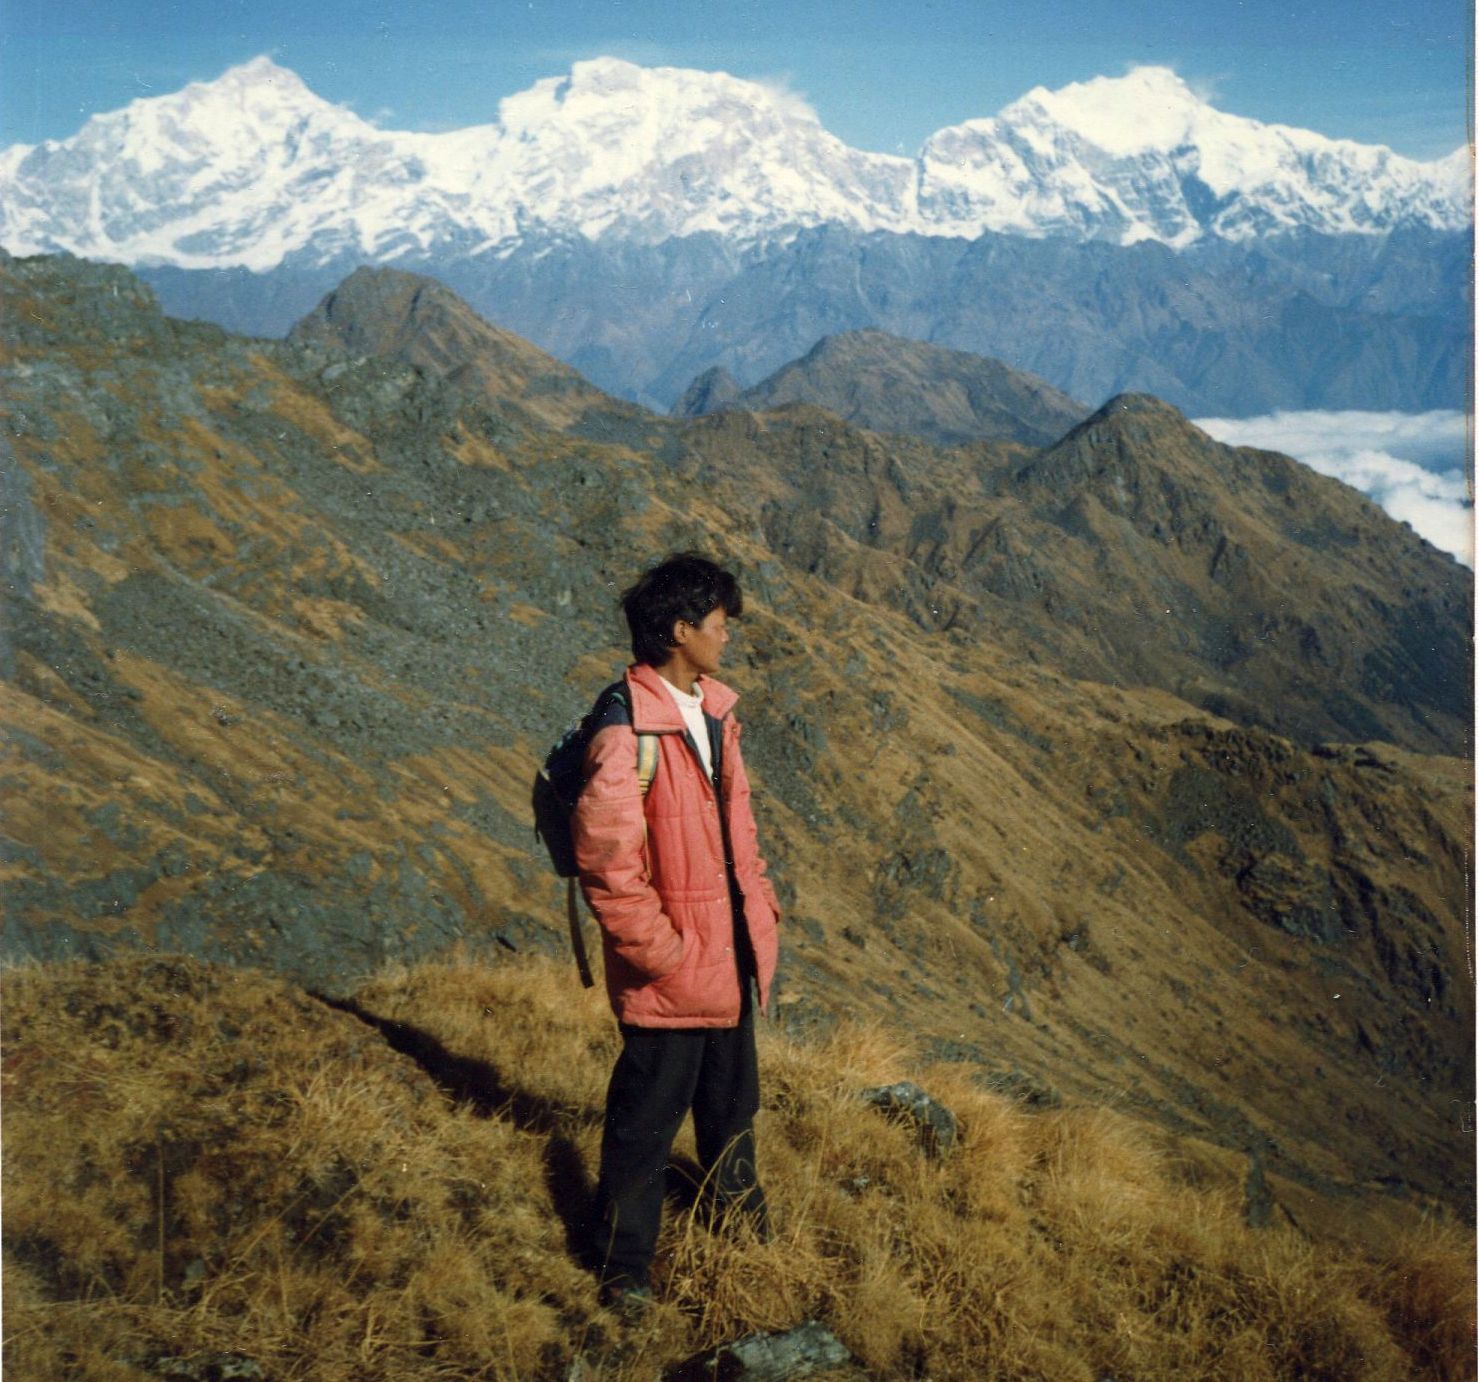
<point x="797" y="1352"/>
<point x="937" y="1126"/>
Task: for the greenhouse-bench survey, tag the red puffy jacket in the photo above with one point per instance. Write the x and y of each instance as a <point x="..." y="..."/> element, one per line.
<point x="652" y="868"/>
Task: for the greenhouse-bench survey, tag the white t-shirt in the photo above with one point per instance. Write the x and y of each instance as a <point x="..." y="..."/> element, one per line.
<point x="691" y="706"/>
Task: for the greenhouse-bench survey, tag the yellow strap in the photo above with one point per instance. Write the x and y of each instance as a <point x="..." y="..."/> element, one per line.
<point x="646" y="760"/>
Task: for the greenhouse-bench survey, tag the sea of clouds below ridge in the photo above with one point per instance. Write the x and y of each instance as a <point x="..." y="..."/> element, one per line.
<point x="1414" y="465"/>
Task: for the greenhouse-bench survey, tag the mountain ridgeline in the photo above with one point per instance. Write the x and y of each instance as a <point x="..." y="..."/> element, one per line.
<point x="248" y="170"/>
<point x="887" y="384"/>
<point x="1135" y="551"/>
<point x="1122" y="764"/>
<point x="1115" y="235"/>
<point x="387" y="314"/>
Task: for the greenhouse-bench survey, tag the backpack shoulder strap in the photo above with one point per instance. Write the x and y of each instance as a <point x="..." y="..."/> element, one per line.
<point x="646" y="760"/>
<point x="614" y="707"/>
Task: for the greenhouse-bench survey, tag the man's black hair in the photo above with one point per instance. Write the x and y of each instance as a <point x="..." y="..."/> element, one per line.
<point x="685" y="586"/>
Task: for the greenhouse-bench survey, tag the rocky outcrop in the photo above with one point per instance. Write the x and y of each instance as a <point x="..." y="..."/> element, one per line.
<point x="711" y="392"/>
<point x="936" y="1126"/>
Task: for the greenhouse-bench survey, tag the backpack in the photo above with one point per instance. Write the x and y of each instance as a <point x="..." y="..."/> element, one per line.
<point x="557" y="787"/>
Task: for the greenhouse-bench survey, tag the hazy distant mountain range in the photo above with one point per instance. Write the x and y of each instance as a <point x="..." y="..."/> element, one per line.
<point x="648" y="223"/>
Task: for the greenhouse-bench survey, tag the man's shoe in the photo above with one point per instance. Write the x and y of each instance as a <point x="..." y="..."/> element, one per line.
<point x="628" y="1301"/>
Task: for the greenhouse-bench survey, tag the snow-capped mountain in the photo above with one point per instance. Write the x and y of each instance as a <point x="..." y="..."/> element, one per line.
<point x="254" y="169"/>
<point x="240" y="171"/>
<point x="1143" y="158"/>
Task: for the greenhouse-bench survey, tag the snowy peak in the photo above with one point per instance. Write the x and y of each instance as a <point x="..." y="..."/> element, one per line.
<point x="1151" y="108"/>
<point x="664" y="151"/>
<point x="601" y="91"/>
<point x="254" y="168"/>
<point x="1142" y="157"/>
<point x="259" y="79"/>
<point x="246" y="108"/>
<point x="240" y="170"/>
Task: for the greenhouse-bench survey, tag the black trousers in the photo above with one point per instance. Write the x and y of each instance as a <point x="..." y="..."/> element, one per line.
<point x="660" y="1074"/>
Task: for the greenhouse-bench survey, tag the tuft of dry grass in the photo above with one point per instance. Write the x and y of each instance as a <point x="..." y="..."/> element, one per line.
<point x="1424" y="1288"/>
<point x="200" y="1160"/>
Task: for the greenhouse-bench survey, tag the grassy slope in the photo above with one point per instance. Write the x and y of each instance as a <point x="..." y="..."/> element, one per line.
<point x="201" y="1160"/>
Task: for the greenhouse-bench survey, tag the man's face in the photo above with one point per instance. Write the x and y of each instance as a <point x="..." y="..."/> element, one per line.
<point x="704" y="642"/>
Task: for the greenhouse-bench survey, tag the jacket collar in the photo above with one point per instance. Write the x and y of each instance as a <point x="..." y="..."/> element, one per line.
<point x="653" y="711"/>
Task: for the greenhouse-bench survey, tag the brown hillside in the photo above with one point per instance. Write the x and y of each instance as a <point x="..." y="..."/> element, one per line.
<point x="289" y="632"/>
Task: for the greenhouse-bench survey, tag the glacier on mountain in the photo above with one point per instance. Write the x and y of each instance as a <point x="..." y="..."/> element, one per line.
<point x="253" y="169"/>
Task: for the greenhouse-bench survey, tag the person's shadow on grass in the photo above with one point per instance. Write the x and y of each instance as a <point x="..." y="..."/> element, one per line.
<point x="483" y="1088"/>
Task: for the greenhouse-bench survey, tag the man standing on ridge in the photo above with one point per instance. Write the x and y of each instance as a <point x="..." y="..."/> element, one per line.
<point x="687" y="916"/>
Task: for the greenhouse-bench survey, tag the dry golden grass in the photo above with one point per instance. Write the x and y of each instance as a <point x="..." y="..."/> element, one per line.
<point x="200" y="1160"/>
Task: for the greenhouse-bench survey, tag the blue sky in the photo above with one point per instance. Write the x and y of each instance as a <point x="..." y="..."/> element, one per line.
<point x="882" y="74"/>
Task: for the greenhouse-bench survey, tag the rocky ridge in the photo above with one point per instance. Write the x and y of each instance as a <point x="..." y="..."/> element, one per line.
<point x="888" y="384"/>
<point x="389" y="314"/>
<point x="1135" y="551"/>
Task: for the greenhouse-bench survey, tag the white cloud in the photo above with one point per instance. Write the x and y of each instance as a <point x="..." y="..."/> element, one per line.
<point x="640" y="52"/>
<point x="1414" y="465"/>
